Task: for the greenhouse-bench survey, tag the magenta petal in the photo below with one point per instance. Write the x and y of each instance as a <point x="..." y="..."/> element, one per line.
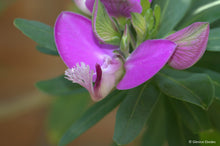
<point x="118" y="7"/>
<point x="145" y="62"/>
<point x="191" y="44"/>
<point x="76" y="43"/>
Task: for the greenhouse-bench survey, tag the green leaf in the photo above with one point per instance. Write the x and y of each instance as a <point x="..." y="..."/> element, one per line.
<point x="201" y="11"/>
<point x="139" y="24"/>
<point x="37" y="31"/>
<point x="209" y="60"/>
<point x="172" y="12"/>
<point x="64" y="111"/>
<point x="92" y="116"/>
<point x="215" y="76"/>
<point x="214" y="114"/>
<point x="157" y="13"/>
<point x="145" y="4"/>
<point x="210" y="138"/>
<point x="155" y="135"/>
<point x="177" y="133"/>
<point x="195" y="118"/>
<point x="103" y="26"/>
<point x="134" y="112"/>
<point x="125" y="42"/>
<point x="215" y="24"/>
<point x="149" y="18"/>
<point x="195" y="88"/>
<point x="214" y="40"/>
<point x="47" y="51"/>
<point x="59" y="86"/>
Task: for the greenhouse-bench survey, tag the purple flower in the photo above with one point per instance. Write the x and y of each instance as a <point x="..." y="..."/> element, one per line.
<point x="114" y="7"/>
<point x="191" y="44"/>
<point x="88" y="61"/>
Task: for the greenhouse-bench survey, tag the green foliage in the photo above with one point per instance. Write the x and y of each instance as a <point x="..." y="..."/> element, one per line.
<point x="92" y="116"/>
<point x="210" y="60"/>
<point x="214" y="40"/>
<point x="157" y="14"/>
<point x="149" y="18"/>
<point x="214" y="114"/>
<point x="103" y="26"/>
<point x="203" y="11"/>
<point x="195" y="88"/>
<point x="145" y="6"/>
<point x="195" y="118"/>
<point x="125" y="42"/>
<point x="41" y="33"/>
<point x="177" y="133"/>
<point x="210" y="136"/>
<point x="64" y="111"/>
<point x="171" y="13"/>
<point x="59" y="86"/>
<point x="130" y="120"/>
<point x="139" y="24"/>
<point x="215" y="76"/>
<point x="155" y="134"/>
<point x="47" y="51"/>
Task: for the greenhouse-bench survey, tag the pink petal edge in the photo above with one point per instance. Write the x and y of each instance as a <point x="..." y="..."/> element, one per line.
<point x="145" y="62"/>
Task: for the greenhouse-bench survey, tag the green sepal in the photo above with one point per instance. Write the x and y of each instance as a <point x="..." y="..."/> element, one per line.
<point x="139" y="23"/>
<point x="104" y="27"/>
<point x="145" y="4"/>
<point x="125" y="41"/>
<point x="149" y="18"/>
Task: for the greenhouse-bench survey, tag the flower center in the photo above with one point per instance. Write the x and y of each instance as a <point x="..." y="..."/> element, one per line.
<point x="107" y="76"/>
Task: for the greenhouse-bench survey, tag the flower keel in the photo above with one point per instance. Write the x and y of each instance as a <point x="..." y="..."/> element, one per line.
<point x="107" y="77"/>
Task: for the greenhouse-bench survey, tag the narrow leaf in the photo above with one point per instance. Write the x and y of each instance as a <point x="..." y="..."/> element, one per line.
<point x="209" y="60"/>
<point x="47" y="51"/>
<point x="195" y="88"/>
<point x="214" y="40"/>
<point x="215" y="76"/>
<point x="201" y="11"/>
<point x="177" y="133"/>
<point x="195" y="118"/>
<point x="92" y="116"/>
<point x="155" y="135"/>
<point x="59" y="86"/>
<point x="134" y="112"/>
<point x="214" y="114"/>
<point x="139" y="24"/>
<point x="103" y="26"/>
<point x="145" y="5"/>
<point x="37" y="31"/>
<point x="171" y="13"/>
